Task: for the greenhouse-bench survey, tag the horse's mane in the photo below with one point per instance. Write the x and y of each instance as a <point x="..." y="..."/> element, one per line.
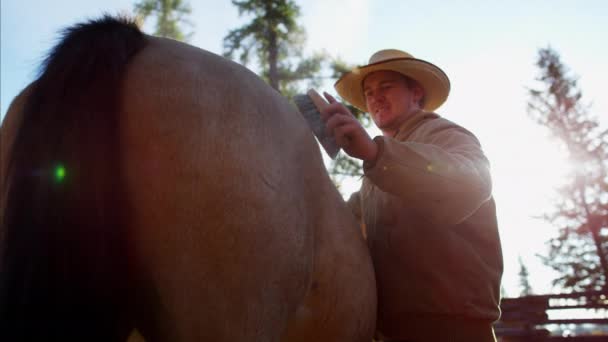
<point x="65" y="263"/>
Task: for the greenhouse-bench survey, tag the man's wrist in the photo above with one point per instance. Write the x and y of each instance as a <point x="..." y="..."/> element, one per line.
<point x="375" y="151"/>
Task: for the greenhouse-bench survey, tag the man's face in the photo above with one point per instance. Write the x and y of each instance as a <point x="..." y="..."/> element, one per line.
<point x="389" y="99"/>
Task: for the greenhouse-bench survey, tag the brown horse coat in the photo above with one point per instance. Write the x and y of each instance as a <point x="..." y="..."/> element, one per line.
<point x="237" y="230"/>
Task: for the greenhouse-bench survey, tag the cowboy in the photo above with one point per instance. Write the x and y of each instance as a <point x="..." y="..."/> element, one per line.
<point x="425" y="201"/>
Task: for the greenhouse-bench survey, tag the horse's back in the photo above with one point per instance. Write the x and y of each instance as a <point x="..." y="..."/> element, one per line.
<point x="238" y="232"/>
<point x="241" y="231"/>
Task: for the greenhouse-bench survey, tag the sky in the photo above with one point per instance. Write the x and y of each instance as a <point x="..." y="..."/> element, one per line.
<point x="488" y="49"/>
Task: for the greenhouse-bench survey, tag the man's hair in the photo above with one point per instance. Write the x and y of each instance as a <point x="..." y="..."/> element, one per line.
<point x="411" y="84"/>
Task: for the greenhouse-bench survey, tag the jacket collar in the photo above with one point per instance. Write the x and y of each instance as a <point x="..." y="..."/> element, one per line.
<point x="410" y="125"/>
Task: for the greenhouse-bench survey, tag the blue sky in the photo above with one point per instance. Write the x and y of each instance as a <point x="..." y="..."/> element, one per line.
<point x="487" y="48"/>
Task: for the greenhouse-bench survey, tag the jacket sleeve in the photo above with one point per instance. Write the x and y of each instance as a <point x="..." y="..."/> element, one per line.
<point x="354" y="203"/>
<point x="440" y="172"/>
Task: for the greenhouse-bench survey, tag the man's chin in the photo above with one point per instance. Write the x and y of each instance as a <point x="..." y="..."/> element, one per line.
<point x="384" y="124"/>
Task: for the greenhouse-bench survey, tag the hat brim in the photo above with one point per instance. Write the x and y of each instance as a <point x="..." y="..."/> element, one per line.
<point x="431" y="78"/>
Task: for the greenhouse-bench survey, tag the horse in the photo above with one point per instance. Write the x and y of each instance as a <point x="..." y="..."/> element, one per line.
<point x="150" y="186"/>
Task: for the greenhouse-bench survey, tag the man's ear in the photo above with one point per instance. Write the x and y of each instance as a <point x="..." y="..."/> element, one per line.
<point x="418" y="93"/>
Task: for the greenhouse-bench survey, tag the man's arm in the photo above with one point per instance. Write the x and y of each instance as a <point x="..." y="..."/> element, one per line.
<point x="354" y="203"/>
<point x="441" y="174"/>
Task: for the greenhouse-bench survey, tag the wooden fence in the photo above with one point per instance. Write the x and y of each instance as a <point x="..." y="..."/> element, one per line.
<point x="525" y="319"/>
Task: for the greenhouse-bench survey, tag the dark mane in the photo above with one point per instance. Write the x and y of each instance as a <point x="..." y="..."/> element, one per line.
<point x="65" y="266"/>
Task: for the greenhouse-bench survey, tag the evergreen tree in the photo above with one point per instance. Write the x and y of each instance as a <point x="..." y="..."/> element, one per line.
<point x="275" y="39"/>
<point x="170" y="14"/>
<point x="578" y="253"/>
<point x="524" y="283"/>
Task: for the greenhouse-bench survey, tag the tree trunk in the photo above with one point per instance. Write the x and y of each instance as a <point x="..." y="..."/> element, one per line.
<point x="595" y="233"/>
<point x="272" y="60"/>
<point x="595" y="223"/>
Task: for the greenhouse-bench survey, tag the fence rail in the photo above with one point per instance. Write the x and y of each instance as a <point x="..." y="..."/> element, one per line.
<point x="524" y="319"/>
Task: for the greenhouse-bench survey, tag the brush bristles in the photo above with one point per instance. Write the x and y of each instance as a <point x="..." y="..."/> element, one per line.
<point x="311" y="113"/>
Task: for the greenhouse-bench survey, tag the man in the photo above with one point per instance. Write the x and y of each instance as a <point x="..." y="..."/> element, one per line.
<point x="425" y="201"/>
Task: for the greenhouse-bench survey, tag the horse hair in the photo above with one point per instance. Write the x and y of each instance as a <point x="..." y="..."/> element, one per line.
<point x="66" y="266"/>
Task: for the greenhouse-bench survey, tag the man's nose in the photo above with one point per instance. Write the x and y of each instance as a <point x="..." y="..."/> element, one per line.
<point x="377" y="97"/>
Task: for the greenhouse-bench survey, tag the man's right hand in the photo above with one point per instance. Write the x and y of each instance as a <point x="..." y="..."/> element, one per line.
<point x="347" y="131"/>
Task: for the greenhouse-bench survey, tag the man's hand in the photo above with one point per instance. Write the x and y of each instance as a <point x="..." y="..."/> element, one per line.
<point x="348" y="132"/>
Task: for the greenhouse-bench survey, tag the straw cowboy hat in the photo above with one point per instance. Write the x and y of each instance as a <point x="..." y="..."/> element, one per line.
<point x="433" y="80"/>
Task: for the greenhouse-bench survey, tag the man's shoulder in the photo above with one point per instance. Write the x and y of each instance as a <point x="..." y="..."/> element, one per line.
<point x="434" y="124"/>
<point x="433" y="119"/>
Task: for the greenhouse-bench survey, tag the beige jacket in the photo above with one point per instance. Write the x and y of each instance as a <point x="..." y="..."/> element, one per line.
<point x="430" y="222"/>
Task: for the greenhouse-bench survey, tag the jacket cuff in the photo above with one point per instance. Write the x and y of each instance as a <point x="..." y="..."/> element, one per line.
<point x="369" y="164"/>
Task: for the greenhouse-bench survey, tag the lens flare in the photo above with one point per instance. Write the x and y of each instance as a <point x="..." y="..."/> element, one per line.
<point x="59" y="173"/>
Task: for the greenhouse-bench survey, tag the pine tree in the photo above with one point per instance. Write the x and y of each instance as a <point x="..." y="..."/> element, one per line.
<point x="524" y="282"/>
<point x="274" y="38"/>
<point x="578" y="253"/>
<point x="170" y="14"/>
